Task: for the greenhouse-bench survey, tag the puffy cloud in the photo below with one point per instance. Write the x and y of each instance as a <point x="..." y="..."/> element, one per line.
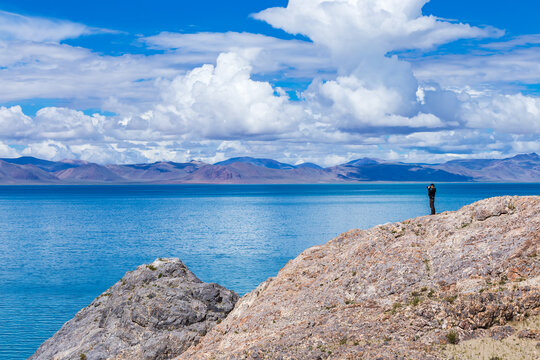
<point x="51" y="150"/>
<point x="63" y="123"/>
<point x="373" y="90"/>
<point x="354" y="29"/>
<point x="13" y="122"/>
<point x="223" y="102"/>
<point x="7" y="151"/>
<point x="515" y="114"/>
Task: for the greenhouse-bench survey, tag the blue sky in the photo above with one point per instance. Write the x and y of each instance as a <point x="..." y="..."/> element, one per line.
<point x="325" y="81"/>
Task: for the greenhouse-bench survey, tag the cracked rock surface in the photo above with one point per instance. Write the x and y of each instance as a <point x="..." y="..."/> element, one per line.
<point x="154" y="312"/>
<point x="397" y="291"/>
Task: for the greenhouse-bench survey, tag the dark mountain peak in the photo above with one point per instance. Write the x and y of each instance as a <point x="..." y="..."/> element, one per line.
<point x="527" y="157"/>
<point x="363" y="161"/>
<point x="46" y="165"/>
<point x="267" y="163"/>
<point x="309" y="165"/>
<point x="28" y="160"/>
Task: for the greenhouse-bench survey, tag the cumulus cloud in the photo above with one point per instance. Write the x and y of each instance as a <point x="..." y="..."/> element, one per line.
<point x="373" y="90"/>
<point x="50" y="149"/>
<point x="222" y="101"/>
<point x="354" y="29"/>
<point x="7" y="151"/>
<point x="13" y="122"/>
<point x="515" y="114"/>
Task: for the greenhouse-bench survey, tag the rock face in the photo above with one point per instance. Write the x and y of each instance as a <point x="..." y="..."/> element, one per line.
<point x="406" y="290"/>
<point x="155" y="312"/>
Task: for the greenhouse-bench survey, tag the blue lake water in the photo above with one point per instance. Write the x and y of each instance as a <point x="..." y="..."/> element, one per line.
<point x="61" y="246"/>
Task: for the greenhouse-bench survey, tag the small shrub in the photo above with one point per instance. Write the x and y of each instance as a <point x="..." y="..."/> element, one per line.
<point x="451" y="299"/>
<point x="426" y="263"/>
<point x="343" y="341"/>
<point x="415" y="293"/>
<point x="430" y="293"/>
<point x="354" y="273"/>
<point x="151" y="267"/>
<point x="495" y="358"/>
<point x="160" y="276"/>
<point x="452" y="337"/>
<point x="82" y="356"/>
<point x="395" y="307"/>
<point x="424" y="289"/>
<point x="415" y="301"/>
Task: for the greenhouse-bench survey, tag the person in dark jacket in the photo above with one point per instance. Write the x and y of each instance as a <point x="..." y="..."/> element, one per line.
<point x="431" y="193"/>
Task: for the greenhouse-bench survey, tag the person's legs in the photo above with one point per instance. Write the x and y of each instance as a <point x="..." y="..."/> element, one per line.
<point x="432" y="206"/>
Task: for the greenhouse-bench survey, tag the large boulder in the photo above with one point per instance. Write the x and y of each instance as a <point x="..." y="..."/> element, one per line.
<point x="154" y="312"/>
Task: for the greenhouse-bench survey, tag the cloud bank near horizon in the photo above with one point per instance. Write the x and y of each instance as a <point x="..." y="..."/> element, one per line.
<point x="212" y="96"/>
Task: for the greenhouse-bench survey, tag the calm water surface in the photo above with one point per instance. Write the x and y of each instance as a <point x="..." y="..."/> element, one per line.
<point x="61" y="246"/>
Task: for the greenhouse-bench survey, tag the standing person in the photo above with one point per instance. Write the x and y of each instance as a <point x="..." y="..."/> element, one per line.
<point x="431" y="193"/>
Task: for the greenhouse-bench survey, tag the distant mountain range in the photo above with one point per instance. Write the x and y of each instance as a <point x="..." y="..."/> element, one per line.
<point x="248" y="170"/>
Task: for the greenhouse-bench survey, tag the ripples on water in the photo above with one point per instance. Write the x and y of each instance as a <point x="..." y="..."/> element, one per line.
<point x="61" y="246"/>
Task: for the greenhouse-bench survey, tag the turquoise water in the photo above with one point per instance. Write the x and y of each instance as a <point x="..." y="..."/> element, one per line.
<point x="61" y="246"/>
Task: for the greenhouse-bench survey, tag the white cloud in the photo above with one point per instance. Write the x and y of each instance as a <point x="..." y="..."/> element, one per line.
<point x="51" y="150"/>
<point x="67" y="124"/>
<point x="221" y="102"/>
<point x="518" y="41"/>
<point x="13" y="122"/>
<point x="7" y="151"/>
<point x="296" y="58"/>
<point x="508" y="70"/>
<point x="354" y="29"/>
<point x="515" y="114"/>
<point x="373" y="90"/>
<point x="35" y="29"/>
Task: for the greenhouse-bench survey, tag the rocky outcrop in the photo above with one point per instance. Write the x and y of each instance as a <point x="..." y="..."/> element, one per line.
<point x="458" y="285"/>
<point x="154" y="312"/>
<point x="409" y="290"/>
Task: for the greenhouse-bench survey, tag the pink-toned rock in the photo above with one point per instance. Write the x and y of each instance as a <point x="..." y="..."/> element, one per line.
<point x="394" y="291"/>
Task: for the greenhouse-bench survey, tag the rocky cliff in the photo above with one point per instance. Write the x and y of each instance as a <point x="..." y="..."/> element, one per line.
<point x="154" y="312"/>
<point x="427" y="288"/>
<point x="457" y="285"/>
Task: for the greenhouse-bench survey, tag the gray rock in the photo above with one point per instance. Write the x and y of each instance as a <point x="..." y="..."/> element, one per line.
<point x="155" y="312"/>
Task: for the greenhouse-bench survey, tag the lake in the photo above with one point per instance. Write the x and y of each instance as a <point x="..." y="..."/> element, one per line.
<point x="61" y="246"/>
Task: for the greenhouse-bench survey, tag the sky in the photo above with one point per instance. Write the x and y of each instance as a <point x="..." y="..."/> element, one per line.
<point x="324" y="81"/>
